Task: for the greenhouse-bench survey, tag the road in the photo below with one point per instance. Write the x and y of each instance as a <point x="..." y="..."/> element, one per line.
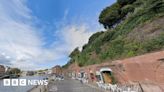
<point x="69" y="85"/>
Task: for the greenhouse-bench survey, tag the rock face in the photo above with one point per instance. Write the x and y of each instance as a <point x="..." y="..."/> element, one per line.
<point x="148" y="68"/>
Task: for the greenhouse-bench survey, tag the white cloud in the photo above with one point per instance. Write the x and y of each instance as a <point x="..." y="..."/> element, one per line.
<point x="19" y="40"/>
<point x="21" y="45"/>
<point x="76" y="36"/>
<point x="70" y="37"/>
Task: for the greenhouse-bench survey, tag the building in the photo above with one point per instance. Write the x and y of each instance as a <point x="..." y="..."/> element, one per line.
<point x="7" y="69"/>
<point x="57" y="70"/>
<point x="49" y="71"/>
<point x="2" y="70"/>
<point x="24" y="73"/>
<point x="30" y="73"/>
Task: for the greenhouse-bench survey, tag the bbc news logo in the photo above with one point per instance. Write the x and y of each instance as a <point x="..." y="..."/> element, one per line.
<point x="23" y="82"/>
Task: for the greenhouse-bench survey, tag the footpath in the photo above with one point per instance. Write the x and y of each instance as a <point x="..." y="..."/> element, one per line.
<point x="40" y="88"/>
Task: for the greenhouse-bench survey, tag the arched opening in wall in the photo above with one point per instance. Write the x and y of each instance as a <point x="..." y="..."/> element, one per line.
<point x="106" y="74"/>
<point x="82" y="74"/>
<point x="98" y="76"/>
<point x="92" y="76"/>
<point x="73" y="75"/>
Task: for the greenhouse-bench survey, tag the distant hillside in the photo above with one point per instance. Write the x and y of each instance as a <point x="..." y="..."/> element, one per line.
<point x="133" y="27"/>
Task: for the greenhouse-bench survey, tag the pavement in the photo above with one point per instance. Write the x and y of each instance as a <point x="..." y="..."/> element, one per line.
<point x="38" y="89"/>
<point x="69" y="85"/>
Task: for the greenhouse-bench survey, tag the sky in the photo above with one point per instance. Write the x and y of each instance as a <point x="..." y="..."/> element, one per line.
<point x="39" y="34"/>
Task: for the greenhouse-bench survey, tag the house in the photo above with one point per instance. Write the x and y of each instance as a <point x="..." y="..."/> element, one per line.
<point x="30" y="73"/>
<point x="2" y="70"/>
<point x="49" y="71"/>
<point x="24" y="73"/>
<point x="57" y="70"/>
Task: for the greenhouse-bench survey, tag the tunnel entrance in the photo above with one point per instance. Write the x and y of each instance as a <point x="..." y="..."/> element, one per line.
<point x="106" y="74"/>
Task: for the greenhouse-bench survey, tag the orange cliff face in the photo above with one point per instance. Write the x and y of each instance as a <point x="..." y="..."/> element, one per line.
<point x="148" y="67"/>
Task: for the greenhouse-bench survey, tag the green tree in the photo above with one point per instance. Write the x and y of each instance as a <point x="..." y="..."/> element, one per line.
<point x="110" y="16"/>
<point x="94" y="36"/>
<point x="125" y="2"/>
<point x="74" y="53"/>
<point x="14" y="71"/>
<point x="126" y="9"/>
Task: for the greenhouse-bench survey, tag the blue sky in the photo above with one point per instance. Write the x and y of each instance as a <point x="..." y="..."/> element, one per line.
<point x="53" y="12"/>
<point x="42" y="33"/>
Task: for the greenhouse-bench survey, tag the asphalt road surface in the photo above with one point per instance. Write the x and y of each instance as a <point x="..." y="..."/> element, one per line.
<point x="69" y="85"/>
